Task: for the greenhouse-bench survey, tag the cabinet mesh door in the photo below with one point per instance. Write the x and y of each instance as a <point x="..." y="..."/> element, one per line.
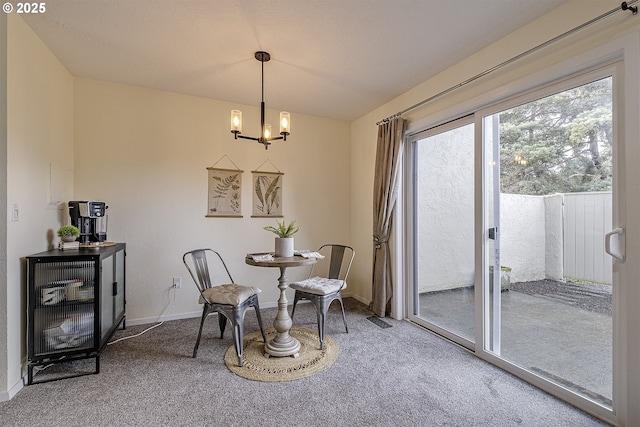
<point x="64" y="306"/>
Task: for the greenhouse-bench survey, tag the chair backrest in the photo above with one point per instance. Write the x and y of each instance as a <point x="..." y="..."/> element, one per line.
<point x="337" y="262"/>
<point x="206" y="267"/>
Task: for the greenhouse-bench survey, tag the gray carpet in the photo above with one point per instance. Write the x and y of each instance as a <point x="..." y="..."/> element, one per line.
<point x="394" y="376"/>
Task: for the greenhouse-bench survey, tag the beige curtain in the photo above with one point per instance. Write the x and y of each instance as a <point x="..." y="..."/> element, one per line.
<point x="385" y="193"/>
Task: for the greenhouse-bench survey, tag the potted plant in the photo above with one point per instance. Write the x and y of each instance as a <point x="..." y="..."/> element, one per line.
<point x="68" y="233"/>
<point x="284" y="241"/>
<point x="505" y="277"/>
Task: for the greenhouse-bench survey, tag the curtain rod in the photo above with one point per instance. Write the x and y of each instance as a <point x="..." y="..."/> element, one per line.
<point x="623" y="6"/>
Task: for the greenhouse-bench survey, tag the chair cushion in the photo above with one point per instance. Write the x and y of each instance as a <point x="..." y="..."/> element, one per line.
<point x="229" y="293"/>
<point x="319" y="285"/>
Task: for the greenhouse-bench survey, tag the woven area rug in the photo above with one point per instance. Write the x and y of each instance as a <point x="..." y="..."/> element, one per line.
<point x="257" y="367"/>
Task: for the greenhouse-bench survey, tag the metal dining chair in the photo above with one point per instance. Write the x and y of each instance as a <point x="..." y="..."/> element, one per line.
<point x="326" y="286"/>
<point x="228" y="299"/>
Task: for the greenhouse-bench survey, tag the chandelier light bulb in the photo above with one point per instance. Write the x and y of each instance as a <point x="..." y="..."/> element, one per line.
<point x="236" y="121"/>
<point x="285" y="123"/>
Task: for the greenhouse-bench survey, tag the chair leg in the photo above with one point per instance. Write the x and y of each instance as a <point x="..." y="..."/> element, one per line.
<point x="222" y="321"/>
<point x="204" y="315"/>
<point x="296" y="298"/>
<point x="257" y="308"/>
<point x="321" y="317"/>
<point x="344" y="319"/>
<point x="322" y="307"/>
<point x="238" y="335"/>
<point x="238" y="331"/>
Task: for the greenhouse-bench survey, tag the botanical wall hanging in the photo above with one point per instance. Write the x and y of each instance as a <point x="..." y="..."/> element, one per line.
<point x="225" y="192"/>
<point x="267" y="193"/>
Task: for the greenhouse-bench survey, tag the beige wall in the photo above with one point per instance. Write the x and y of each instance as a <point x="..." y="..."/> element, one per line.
<point x="145" y="153"/>
<point x="39" y="142"/>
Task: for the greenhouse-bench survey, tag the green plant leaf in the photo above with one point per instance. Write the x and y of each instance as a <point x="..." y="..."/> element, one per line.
<point x="68" y="230"/>
<point x="283" y="230"/>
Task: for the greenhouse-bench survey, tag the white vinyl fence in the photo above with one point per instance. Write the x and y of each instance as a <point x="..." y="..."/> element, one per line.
<point x="557" y="236"/>
<point x="587" y="218"/>
<point x="543" y="237"/>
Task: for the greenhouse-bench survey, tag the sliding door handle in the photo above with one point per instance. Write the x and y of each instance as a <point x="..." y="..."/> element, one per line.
<point x="492" y="233"/>
<point x="620" y="257"/>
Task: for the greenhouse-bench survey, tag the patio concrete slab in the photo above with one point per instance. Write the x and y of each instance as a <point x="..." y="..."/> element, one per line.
<point x="547" y="335"/>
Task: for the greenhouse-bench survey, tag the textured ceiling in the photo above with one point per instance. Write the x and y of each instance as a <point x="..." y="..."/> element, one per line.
<point x="330" y="58"/>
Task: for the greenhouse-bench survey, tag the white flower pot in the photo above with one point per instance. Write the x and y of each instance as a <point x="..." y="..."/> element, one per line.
<point x="284" y="247"/>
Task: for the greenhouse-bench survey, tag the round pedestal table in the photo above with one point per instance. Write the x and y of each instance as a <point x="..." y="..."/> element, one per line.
<point x="283" y="344"/>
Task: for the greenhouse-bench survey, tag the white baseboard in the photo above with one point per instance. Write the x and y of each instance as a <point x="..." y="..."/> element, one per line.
<point x="188" y="315"/>
<point x="8" y="395"/>
<point x="357" y="298"/>
<point x="148" y="320"/>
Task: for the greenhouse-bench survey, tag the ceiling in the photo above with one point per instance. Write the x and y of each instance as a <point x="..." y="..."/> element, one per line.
<point x="338" y="59"/>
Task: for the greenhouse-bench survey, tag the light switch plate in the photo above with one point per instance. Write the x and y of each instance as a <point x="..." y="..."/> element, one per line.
<point x="15" y="213"/>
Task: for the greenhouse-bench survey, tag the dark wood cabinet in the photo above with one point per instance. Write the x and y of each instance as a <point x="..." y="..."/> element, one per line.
<point x="75" y="301"/>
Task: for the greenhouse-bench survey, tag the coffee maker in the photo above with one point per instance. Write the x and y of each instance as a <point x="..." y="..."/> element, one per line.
<point x="91" y="219"/>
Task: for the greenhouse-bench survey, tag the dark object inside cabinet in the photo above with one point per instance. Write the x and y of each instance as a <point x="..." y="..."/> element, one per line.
<point x="75" y="301"/>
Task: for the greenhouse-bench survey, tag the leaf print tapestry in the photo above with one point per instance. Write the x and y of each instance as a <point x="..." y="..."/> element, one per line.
<point x="225" y="193"/>
<point x="267" y="194"/>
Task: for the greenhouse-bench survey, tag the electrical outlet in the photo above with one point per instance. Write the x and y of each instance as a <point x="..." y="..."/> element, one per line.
<point x="177" y="282"/>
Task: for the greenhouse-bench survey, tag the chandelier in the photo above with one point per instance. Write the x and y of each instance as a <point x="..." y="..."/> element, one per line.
<point x="265" y="137"/>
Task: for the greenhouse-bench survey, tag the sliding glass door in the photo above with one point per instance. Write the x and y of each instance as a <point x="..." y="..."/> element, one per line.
<point x="512" y="230"/>
<point x="443" y="182"/>
<point x="548" y="209"/>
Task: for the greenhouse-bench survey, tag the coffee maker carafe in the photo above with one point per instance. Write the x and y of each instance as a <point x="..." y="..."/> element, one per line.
<point x="91" y="219"/>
